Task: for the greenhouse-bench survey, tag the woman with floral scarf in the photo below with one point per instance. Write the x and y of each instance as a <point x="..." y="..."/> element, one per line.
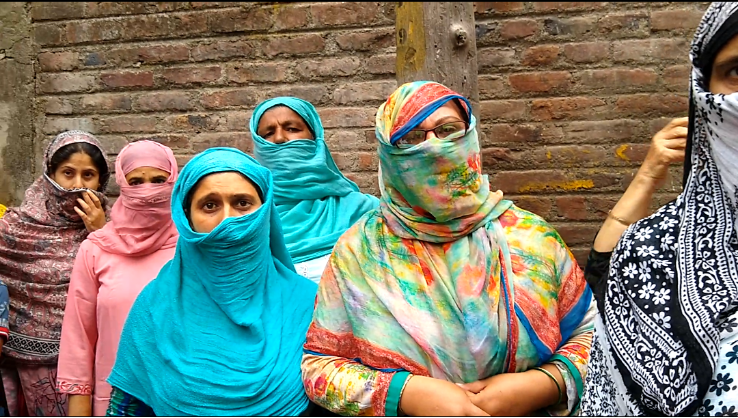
<point x="446" y="299"/>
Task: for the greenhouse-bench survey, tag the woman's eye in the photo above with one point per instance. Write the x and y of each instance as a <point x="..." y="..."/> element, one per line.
<point x="135" y="182"/>
<point x="267" y="134"/>
<point x="293" y="130"/>
<point x="209" y="206"/>
<point x="244" y="203"/>
<point x="157" y="181"/>
<point x="733" y="72"/>
<point x="68" y="173"/>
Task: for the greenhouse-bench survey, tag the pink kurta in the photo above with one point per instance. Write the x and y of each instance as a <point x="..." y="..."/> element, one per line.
<point x="102" y="290"/>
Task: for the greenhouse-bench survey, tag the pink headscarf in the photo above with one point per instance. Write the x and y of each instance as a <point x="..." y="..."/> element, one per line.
<point x="141" y="218"/>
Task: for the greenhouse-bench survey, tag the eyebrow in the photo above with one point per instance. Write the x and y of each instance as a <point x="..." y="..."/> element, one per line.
<point x="727" y="62"/>
<point x="447" y="119"/>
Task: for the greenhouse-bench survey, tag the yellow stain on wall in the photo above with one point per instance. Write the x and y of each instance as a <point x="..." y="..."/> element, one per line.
<point x="560" y="185"/>
<point x="2" y="210"/>
<point x="620" y="152"/>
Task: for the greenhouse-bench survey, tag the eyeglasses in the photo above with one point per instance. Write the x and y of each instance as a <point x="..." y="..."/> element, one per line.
<point x="444" y="131"/>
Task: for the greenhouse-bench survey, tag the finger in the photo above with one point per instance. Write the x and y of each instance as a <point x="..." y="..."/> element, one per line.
<point x="676" y="133"/>
<point x="474" y="387"/>
<point x="676" y="144"/>
<point x="674" y="156"/>
<point x="682" y="122"/>
<point x="85" y="218"/>
<point x="95" y="200"/>
<point x="88" y="200"/>
<point x="84" y="205"/>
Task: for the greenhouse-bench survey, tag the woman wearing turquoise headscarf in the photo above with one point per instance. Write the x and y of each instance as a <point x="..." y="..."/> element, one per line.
<point x="447" y="300"/>
<point x="316" y="202"/>
<point x="219" y="331"/>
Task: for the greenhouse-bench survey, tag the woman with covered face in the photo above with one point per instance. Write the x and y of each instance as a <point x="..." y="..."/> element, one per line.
<point x="666" y="336"/>
<point x="220" y="330"/>
<point x="315" y="201"/>
<point x="447" y="299"/>
<point x="112" y="267"/>
<point x="38" y="244"/>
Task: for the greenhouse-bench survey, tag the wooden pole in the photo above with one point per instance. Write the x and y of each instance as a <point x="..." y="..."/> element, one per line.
<point x="437" y="42"/>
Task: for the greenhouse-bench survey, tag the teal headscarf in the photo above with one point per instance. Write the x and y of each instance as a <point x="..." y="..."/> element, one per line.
<point x="316" y="202"/>
<point x="220" y="330"/>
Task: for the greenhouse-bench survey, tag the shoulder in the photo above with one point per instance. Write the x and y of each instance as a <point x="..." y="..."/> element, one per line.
<point x="529" y="233"/>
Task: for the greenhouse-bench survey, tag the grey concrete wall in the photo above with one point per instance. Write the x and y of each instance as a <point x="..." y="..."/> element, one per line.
<point x="17" y="101"/>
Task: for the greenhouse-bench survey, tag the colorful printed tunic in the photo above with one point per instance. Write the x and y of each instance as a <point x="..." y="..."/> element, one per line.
<point x="445" y="280"/>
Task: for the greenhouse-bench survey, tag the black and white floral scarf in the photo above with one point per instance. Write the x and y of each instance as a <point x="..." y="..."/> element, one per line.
<point x="673" y="277"/>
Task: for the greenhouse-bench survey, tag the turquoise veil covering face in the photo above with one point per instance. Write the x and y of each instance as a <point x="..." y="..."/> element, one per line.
<point x="220" y="330"/>
<point x="315" y="201"/>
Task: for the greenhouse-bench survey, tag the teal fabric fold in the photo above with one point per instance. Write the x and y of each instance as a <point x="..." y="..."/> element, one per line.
<point x="315" y="201"/>
<point x="220" y="330"/>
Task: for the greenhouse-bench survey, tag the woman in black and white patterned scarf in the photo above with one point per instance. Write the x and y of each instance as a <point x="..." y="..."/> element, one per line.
<point x="666" y="337"/>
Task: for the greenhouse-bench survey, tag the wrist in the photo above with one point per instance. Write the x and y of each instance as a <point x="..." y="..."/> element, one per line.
<point x="645" y="181"/>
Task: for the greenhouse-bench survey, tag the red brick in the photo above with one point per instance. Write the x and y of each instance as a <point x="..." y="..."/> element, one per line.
<point x="347" y="117"/>
<point x="517" y="133"/>
<point x="56" y="10"/>
<point x="101" y="9"/>
<point x="226" y="98"/>
<point x="572" y="208"/>
<point x="541" y="206"/>
<point x="587" y="52"/>
<point x="570" y="27"/>
<point x="677" y="77"/>
<point x="57" y="106"/>
<point x="547" y="6"/>
<point x="173" y="141"/>
<point x="675" y="19"/>
<point x="367" y="161"/>
<point x="128" y="124"/>
<point x="651" y="49"/>
<point x="192" y="75"/>
<point x="165" y="100"/>
<point x="211" y="4"/>
<point x="498" y="110"/>
<point x="112" y="144"/>
<point x="498" y="7"/>
<point x="567" y="156"/>
<point x="55" y="126"/>
<point x="58" y="61"/>
<point x="192" y="123"/>
<point x="371" y="40"/>
<point x="362" y="92"/>
<point x="65" y="83"/>
<point x="238" y="140"/>
<point x="519" y="29"/>
<point x="577" y="234"/>
<point x="156" y="54"/>
<point x="128" y="79"/>
<point x="540" y="82"/>
<point x="258" y="72"/>
<point x="489" y="59"/>
<point x="627" y="25"/>
<point x="291" y="17"/>
<point x="603" y="131"/>
<point x="330" y="67"/>
<point x="297" y="45"/>
<point x="640" y="105"/>
<point x="491" y="87"/>
<point x="105" y="102"/>
<point x="344" y="162"/>
<point x="631" y="152"/>
<point x="552" y="181"/>
<point x="344" y="13"/>
<point x="351" y="140"/>
<point x="492" y="157"/>
<point x="381" y="64"/>
<point x="49" y="34"/>
<point x="568" y="108"/>
<point x="256" y="19"/>
<point x="616" y="78"/>
<point x="220" y="50"/>
<point x="540" y="55"/>
<point x="315" y="94"/>
<point x="139" y="27"/>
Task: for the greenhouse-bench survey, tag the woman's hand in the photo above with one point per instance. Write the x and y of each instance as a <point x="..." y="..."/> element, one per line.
<point x="667" y="147"/>
<point x="91" y="211"/>
<point x="426" y="396"/>
<point x="515" y="394"/>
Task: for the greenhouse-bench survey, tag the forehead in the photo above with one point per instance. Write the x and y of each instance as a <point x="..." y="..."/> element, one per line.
<point x="280" y="113"/>
<point x="728" y="51"/>
<point x="224" y="184"/>
<point x="79" y="160"/>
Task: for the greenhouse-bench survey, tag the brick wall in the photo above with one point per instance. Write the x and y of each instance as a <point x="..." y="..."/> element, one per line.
<point x="571" y="92"/>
